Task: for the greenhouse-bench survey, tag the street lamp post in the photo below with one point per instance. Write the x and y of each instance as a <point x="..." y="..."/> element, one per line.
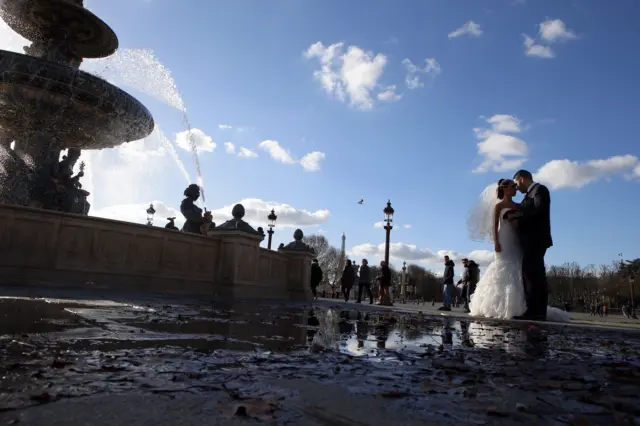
<point x="403" y="280"/>
<point x="272" y="222"/>
<point x="631" y="278"/>
<point x="388" y="218"/>
<point x="633" y="301"/>
<point x="150" y="213"/>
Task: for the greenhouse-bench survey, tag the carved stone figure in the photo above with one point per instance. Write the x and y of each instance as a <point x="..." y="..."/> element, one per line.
<point x="171" y="224"/>
<point x="237" y="224"/>
<point x="297" y="243"/>
<point x="196" y="221"/>
<point x="59" y="189"/>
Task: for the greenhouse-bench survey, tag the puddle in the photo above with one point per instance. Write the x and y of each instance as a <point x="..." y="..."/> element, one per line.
<point x="72" y="348"/>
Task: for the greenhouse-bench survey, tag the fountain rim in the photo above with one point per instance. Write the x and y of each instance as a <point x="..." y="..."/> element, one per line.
<point x="115" y="92"/>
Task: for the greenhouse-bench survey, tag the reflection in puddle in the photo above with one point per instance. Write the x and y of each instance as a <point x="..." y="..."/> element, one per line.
<point x="80" y="347"/>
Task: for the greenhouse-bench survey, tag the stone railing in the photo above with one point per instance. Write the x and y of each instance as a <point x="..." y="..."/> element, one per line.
<point x="48" y="248"/>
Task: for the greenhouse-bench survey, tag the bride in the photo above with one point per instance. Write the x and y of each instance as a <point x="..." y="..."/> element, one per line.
<point x="500" y="291"/>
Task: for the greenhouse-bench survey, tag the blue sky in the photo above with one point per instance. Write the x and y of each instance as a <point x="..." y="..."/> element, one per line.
<point x="566" y="91"/>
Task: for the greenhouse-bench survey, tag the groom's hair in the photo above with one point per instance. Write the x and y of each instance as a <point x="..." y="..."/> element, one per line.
<point x="523" y="174"/>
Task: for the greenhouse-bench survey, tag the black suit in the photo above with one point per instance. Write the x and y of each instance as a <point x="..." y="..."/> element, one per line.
<point x="534" y="229"/>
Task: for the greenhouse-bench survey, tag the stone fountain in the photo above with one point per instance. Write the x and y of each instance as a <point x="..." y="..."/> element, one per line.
<point x="46" y="236"/>
<point x="47" y="104"/>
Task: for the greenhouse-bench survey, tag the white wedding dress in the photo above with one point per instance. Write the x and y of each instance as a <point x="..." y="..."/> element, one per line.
<point x="500" y="291"/>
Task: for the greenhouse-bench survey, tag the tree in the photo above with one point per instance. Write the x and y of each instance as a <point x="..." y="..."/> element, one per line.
<point x="319" y="243"/>
<point x="328" y="259"/>
<point x="428" y="286"/>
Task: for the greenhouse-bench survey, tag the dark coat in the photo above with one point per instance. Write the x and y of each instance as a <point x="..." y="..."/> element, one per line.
<point x="534" y="227"/>
<point x="316" y="274"/>
<point x="385" y="276"/>
<point x="365" y="275"/>
<point x="448" y="272"/>
<point x="348" y="277"/>
<point x="474" y="272"/>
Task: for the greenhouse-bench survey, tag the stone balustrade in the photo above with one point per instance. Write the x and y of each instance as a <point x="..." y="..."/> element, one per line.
<point x="48" y="248"/>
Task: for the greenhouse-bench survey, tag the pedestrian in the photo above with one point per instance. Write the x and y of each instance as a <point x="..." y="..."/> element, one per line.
<point x="385" y="283"/>
<point x="448" y="287"/>
<point x="316" y="278"/>
<point x="472" y="282"/>
<point x="347" y="280"/>
<point x="365" y="281"/>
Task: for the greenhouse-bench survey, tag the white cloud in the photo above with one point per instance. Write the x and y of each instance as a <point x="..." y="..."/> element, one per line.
<point x="499" y="150"/>
<point x="553" y="30"/>
<point x="348" y="76"/>
<point x="311" y="161"/>
<point x="256" y="214"/>
<point x="550" y="31"/>
<point x="224" y="126"/>
<point x="137" y="213"/>
<point x="504" y="123"/>
<point x="288" y="217"/>
<point x="531" y="48"/>
<point x="469" y="28"/>
<point x="411" y="253"/>
<point x="246" y="153"/>
<point x="229" y="148"/>
<point x="636" y="171"/>
<point x="187" y="140"/>
<point x="412" y="80"/>
<point x="277" y="152"/>
<point x="388" y="94"/>
<point x="574" y="174"/>
<point x="380" y="225"/>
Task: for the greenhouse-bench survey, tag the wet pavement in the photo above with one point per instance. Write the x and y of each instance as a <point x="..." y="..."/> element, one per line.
<point x="62" y="359"/>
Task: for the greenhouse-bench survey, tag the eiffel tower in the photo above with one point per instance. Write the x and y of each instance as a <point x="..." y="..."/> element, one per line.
<point x="341" y="262"/>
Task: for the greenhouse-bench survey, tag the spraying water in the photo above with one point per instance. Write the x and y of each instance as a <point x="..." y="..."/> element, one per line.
<point x="138" y="69"/>
<point x="196" y="159"/>
<point x="166" y="143"/>
<point x="141" y="70"/>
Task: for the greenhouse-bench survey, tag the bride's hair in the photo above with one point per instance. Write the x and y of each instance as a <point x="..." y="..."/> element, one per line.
<point x="500" y="189"/>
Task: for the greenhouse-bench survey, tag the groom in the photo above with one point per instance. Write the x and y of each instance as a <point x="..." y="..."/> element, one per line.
<point x="534" y="231"/>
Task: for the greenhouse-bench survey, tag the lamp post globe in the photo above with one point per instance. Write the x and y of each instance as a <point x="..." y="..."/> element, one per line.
<point x="271" y="224"/>
<point x="150" y="213"/>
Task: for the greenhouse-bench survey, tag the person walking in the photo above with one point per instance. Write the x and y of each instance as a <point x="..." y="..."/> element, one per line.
<point x="316" y="278"/>
<point x="365" y="281"/>
<point x="347" y="280"/>
<point x="447" y="282"/>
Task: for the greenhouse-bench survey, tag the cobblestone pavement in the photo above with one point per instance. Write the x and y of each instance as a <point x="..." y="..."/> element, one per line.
<point x="114" y="360"/>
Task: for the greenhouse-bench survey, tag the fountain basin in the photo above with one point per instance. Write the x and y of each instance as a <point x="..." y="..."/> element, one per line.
<point x="87" y="35"/>
<point x="80" y="110"/>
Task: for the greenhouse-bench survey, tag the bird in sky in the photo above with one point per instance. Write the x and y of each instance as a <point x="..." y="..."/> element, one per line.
<point x="361" y="202"/>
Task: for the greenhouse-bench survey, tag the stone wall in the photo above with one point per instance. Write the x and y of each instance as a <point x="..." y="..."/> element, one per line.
<point x="46" y="248"/>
